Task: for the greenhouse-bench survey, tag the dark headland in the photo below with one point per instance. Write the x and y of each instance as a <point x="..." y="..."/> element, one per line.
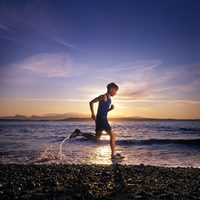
<point x="98" y="182"/>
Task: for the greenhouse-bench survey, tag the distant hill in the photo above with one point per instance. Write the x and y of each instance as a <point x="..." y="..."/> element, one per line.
<point x="47" y="117"/>
<point x="77" y="117"/>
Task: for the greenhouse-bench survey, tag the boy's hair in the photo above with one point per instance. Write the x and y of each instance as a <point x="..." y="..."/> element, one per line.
<point x="112" y="85"/>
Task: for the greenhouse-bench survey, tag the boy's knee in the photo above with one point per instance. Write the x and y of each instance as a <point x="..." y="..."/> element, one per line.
<point x="111" y="134"/>
<point x="97" y="138"/>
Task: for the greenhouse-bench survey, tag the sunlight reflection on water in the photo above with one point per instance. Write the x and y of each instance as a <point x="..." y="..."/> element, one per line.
<point x="101" y="155"/>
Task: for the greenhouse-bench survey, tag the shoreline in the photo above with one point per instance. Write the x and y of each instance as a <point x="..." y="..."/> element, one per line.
<point x="69" y="181"/>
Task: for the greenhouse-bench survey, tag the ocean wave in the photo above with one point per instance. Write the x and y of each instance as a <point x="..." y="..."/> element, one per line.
<point x="190" y="142"/>
<point x="197" y="130"/>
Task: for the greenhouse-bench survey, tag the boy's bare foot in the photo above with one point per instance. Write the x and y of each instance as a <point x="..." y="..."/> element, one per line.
<point x="117" y="156"/>
<point x="75" y="133"/>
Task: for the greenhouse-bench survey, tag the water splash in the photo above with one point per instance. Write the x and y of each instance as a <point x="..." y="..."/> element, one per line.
<point x="50" y="154"/>
<point x="61" y="156"/>
<point x="47" y="155"/>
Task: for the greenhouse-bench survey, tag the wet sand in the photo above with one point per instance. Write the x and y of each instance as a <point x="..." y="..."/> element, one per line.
<point x="98" y="182"/>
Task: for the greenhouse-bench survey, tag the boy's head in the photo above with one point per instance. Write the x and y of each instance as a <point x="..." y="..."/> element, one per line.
<point x="112" y="89"/>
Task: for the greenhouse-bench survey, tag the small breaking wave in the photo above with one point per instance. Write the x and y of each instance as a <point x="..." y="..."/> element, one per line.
<point x="191" y="142"/>
<point x="195" y="130"/>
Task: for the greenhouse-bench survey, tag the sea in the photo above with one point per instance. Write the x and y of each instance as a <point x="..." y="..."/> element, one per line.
<point x="157" y="143"/>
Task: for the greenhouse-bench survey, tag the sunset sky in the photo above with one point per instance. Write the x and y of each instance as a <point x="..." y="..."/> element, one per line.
<point x="56" y="56"/>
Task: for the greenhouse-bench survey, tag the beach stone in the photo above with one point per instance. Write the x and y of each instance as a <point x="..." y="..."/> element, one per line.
<point x="39" y="195"/>
<point x="26" y="196"/>
<point x="98" y="182"/>
<point x="135" y="196"/>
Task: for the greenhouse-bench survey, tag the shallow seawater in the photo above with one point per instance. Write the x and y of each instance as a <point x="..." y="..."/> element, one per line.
<point x="161" y="143"/>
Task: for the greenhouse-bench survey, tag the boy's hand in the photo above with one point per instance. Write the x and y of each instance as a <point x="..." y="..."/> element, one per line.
<point x="93" y="117"/>
<point x="112" y="107"/>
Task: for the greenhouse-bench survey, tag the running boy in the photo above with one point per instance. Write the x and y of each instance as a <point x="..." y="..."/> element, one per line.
<point x="101" y="118"/>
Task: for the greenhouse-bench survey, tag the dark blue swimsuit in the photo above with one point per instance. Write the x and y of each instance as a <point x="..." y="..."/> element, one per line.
<point x="101" y="118"/>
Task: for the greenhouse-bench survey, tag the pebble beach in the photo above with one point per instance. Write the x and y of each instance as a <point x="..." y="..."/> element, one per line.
<point x="98" y="182"/>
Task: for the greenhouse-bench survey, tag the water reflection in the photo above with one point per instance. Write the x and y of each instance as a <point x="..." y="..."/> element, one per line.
<point x="101" y="155"/>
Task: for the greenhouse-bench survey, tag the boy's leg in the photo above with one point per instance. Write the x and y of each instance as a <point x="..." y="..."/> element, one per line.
<point x="112" y="141"/>
<point x="75" y="133"/>
<point x="98" y="134"/>
<point x="92" y="136"/>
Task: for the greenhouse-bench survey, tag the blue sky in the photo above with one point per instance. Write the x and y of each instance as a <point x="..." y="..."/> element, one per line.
<point x="58" y="55"/>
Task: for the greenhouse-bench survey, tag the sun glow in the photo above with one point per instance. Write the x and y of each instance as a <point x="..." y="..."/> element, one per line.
<point x="101" y="155"/>
<point x="104" y="151"/>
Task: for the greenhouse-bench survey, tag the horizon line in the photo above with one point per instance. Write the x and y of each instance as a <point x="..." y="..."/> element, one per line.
<point x="84" y="117"/>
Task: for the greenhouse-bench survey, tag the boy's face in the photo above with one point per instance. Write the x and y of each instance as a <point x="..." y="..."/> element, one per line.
<point x="113" y="91"/>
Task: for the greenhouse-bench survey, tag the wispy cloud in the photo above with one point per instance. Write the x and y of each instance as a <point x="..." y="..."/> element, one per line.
<point x="10" y="38"/>
<point x="16" y="21"/>
<point x="4" y="27"/>
<point x="43" y="99"/>
<point x="150" y="80"/>
<point x="49" y="65"/>
<point x="171" y="83"/>
<point x="129" y="67"/>
<point x="61" y="41"/>
<point x="177" y="101"/>
<point x="52" y="65"/>
<point x="133" y="77"/>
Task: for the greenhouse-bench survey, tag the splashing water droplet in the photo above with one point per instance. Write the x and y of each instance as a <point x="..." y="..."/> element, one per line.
<point x="61" y="156"/>
<point x="48" y="154"/>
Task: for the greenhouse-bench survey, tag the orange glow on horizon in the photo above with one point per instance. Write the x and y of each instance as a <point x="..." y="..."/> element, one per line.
<point x="122" y="109"/>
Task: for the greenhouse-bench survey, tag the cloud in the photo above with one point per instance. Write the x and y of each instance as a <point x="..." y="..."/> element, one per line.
<point x="134" y="78"/>
<point x="161" y="82"/>
<point x="61" y="41"/>
<point x="129" y="90"/>
<point x="17" y="21"/>
<point x="150" y="80"/>
<point x="10" y="38"/>
<point x="50" y="65"/>
<point x="129" y="66"/>
<point x="40" y="69"/>
<point x="44" y="99"/>
<point x="177" y="101"/>
<point x="4" y="27"/>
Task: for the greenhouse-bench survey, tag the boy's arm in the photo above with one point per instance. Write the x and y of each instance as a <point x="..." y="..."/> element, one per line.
<point x="97" y="99"/>
<point x="111" y="107"/>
